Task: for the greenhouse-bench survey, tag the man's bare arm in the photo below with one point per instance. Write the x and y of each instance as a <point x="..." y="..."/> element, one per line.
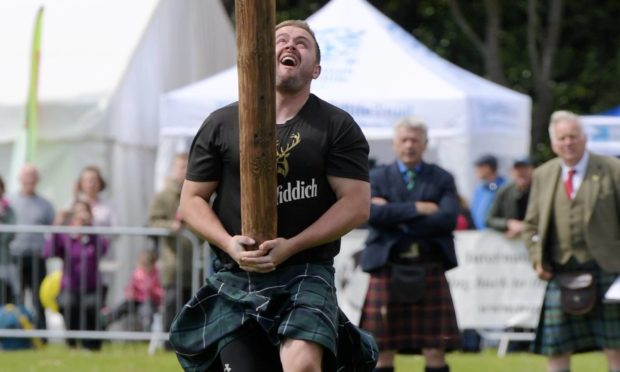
<point x="198" y="214"/>
<point x="351" y="209"/>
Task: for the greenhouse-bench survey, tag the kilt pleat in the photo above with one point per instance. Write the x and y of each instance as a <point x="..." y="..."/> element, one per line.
<point x="407" y="328"/>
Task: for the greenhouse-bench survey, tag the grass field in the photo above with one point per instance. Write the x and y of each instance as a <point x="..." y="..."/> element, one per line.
<point x="133" y="357"/>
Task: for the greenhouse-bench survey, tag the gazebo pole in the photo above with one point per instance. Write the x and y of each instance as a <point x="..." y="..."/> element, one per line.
<point x="255" y="21"/>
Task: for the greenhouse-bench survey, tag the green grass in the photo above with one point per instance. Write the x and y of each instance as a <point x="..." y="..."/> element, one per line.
<point x="488" y="361"/>
<point x="121" y="357"/>
<point x="130" y="357"/>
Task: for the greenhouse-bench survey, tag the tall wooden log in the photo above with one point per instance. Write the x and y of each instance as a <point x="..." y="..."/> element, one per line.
<point x="255" y="21"/>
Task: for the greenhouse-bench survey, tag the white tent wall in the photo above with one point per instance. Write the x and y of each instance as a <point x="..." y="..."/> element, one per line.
<point x="186" y="40"/>
<point x="379" y="73"/>
<point x="113" y="124"/>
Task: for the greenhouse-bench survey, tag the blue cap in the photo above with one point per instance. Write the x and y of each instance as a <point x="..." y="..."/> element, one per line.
<point x="487" y="159"/>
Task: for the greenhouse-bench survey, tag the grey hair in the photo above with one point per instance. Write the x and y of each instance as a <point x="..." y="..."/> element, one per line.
<point x="564" y="115"/>
<point x="412" y="122"/>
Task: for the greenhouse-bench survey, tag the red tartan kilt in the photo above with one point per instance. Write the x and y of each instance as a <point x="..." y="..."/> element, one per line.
<point x="431" y="323"/>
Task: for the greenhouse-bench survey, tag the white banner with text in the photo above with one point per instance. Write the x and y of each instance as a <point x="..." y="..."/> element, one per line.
<point x="494" y="285"/>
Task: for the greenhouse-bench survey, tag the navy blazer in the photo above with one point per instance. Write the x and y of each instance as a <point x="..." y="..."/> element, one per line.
<point x="399" y="219"/>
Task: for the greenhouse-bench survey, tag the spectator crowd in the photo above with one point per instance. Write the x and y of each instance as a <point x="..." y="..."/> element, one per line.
<point x="566" y="211"/>
<point x="82" y="296"/>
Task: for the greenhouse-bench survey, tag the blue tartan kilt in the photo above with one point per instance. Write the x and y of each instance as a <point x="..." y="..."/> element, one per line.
<point x="297" y="301"/>
<point x="560" y="333"/>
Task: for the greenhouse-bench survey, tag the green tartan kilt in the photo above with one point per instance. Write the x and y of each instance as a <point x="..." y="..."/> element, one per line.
<point x="559" y="332"/>
<point x="297" y="301"/>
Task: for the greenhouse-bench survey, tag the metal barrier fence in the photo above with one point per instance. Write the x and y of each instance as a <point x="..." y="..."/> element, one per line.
<point x="83" y="299"/>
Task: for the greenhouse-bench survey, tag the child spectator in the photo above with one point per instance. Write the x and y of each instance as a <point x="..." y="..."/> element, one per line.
<point x="79" y="298"/>
<point x="143" y="293"/>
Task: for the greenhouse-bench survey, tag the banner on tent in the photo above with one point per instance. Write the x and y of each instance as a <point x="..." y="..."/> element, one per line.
<point x="494" y="285"/>
<point x="603" y="134"/>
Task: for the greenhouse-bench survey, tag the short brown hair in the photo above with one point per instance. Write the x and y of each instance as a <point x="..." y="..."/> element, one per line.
<point x="304" y="26"/>
<point x="97" y="171"/>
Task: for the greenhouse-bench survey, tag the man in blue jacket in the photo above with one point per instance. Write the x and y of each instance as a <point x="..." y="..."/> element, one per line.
<point x="484" y="195"/>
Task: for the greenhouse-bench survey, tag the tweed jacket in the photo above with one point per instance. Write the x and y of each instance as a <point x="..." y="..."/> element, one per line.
<point x="507" y="206"/>
<point x="399" y="219"/>
<point x="601" y="186"/>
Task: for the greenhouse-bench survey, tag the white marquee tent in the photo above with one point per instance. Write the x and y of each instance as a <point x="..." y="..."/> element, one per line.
<point x="378" y="72"/>
<point x="104" y="65"/>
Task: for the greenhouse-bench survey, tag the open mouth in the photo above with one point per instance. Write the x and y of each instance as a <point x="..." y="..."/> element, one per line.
<point x="288" y="61"/>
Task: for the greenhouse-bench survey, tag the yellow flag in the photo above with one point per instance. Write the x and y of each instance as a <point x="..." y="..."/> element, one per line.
<point x="32" y="106"/>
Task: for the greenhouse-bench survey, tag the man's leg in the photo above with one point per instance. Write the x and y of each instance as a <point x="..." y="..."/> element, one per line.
<point x="435" y="360"/>
<point x="386" y="361"/>
<point x="559" y="363"/>
<point x="250" y="352"/>
<point x="613" y="359"/>
<point x="301" y="356"/>
<point x="39" y="272"/>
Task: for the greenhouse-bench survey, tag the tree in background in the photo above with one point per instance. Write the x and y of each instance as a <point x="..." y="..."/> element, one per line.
<point x="543" y="28"/>
<point x="564" y="54"/>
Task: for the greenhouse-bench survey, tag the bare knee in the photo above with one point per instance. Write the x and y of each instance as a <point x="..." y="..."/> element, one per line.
<point x="559" y="363"/>
<point x="301" y="356"/>
<point x="386" y="358"/>
<point x="434" y="358"/>
<point x="613" y="359"/>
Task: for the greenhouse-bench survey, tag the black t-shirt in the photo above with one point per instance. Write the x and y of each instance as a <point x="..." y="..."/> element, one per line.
<point x="321" y="140"/>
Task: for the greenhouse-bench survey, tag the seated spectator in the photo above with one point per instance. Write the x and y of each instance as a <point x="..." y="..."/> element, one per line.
<point x="143" y="293"/>
<point x="80" y="298"/>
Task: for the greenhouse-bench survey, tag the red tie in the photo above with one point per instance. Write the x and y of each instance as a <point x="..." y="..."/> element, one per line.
<point x="568" y="184"/>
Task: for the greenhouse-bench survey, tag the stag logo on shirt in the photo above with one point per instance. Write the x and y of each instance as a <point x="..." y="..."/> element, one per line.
<point x="282" y="153"/>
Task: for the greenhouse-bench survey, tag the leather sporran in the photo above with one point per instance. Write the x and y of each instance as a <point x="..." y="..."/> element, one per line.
<point x="577" y="292"/>
<point x="407" y="283"/>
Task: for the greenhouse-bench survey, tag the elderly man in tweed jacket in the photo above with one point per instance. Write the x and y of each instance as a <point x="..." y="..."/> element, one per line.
<point x="572" y="224"/>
